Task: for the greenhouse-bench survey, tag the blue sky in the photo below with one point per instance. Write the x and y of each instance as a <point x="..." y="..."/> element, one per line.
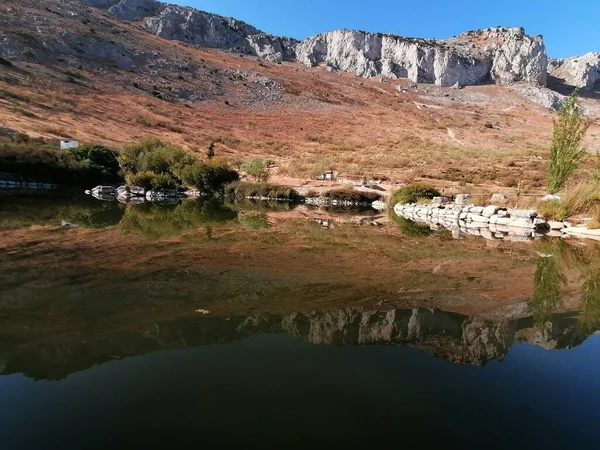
<point x="569" y="28"/>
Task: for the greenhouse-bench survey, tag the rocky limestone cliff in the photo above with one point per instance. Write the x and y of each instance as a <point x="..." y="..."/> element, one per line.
<point x="580" y="71"/>
<point x="503" y="55"/>
<point x="200" y="28"/>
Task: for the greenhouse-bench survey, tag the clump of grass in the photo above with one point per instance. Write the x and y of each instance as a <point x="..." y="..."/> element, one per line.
<point x="413" y="194"/>
<point x="239" y="191"/>
<point x="349" y="194"/>
<point x="580" y="199"/>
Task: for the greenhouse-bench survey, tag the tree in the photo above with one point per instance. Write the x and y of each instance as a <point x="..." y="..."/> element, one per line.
<point x="566" y="153"/>
<point x="98" y="158"/>
<point x="210" y="153"/>
<point x="256" y="168"/>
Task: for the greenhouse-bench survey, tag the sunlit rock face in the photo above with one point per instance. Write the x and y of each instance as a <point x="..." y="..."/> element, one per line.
<point x="582" y="72"/>
<point x="502" y="55"/>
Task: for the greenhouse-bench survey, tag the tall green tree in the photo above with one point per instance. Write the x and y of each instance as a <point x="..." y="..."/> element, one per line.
<point x="566" y="153"/>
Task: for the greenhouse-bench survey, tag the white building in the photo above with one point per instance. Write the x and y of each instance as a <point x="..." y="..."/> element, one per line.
<point x="68" y="143"/>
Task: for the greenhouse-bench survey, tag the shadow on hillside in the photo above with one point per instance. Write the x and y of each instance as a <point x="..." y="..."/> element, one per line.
<point x="559" y="85"/>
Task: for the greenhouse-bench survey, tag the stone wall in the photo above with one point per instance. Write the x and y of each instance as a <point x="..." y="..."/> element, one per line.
<point x="491" y="222"/>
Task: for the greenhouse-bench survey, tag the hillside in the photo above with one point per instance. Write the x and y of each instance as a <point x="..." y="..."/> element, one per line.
<point x="69" y="69"/>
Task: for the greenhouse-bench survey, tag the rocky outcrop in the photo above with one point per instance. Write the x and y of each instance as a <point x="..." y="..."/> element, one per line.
<point x="133" y="10"/>
<point x="504" y="55"/>
<point x="105" y="4"/>
<point x="200" y="28"/>
<point x="581" y="71"/>
<point x="210" y="30"/>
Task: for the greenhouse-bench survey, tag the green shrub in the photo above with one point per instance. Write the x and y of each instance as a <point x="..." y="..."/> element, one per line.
<point x="349" y="194"/>
<point x="142" y="179"/>
<point x="409" y="228"/>
<point x="42" y="160"/>
<point x="239" y="191"/>
<point x="163" y="182"/>
<point x="256" y="168"/>
<point x="566" y="153"/>
<point x="98" y="158"/>
<point x="413" y="193"/>
<point x="254" y="221"/>
<point x="209" y="177"/>
<point x="156" y="156"/>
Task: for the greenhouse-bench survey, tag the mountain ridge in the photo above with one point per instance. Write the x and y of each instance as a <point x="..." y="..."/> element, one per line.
<point x="502" y="55"/>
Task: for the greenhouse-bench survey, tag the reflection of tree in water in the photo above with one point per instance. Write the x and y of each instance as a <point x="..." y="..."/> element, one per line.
<point x="158" y="221"/>
<point x="409" y="228"/>
<point x="549" y="281"/>
<point x="590" y="303"/>
<point x="50" y="208"/>
<point x="254" y="221"/>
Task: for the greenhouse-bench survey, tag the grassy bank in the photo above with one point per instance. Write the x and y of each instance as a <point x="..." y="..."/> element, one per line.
<point x="42" y="160"/>
<point x="240" y="191"/>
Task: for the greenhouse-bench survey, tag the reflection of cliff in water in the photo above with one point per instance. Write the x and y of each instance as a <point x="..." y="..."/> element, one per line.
<point x="455" y="337"/>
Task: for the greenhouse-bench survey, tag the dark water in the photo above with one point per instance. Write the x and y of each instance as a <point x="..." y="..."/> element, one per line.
<point x="206" y="325"/>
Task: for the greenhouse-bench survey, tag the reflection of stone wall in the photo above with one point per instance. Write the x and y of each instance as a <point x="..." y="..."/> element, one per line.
<point x="458" y="338"/>
<point x="491" y="222"/>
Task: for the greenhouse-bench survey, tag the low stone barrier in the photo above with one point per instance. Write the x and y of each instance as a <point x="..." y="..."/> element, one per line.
<point x="490" y="222"/>
<point x="29" y="185"/>
<point x="135" y="194"/>
<point x="324" y="201"/>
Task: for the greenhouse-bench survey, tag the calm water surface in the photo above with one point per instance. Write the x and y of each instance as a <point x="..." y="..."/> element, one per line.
<point x="242" y="326"/>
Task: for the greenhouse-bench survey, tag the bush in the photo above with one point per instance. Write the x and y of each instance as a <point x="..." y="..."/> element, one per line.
<point x="256" y="168"/>
<point x="240" y="191"/>
<point x="155" y="155"/>
<point x="352" y="195"/>
<point x="413" y="193"/>
<point x="209" y="177"/>
<point x="409" y="228"/>
<point x="142" y="179"/>
<point x="163" y="182"/>
<point x="583" y="198"/>
<point x="98" y="158"/>
<point x="42" y="160"/>
<point x="566" y="152"/>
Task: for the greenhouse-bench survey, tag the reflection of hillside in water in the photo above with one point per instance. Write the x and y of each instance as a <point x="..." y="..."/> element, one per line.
<point x="455" y="337"/>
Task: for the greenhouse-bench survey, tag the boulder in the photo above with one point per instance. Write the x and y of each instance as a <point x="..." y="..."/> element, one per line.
<point x="463" y="199"/>
<point x="137" y="190"/>
<point x="556" y="225"/>
<point x="489" y="211"/>
<point x="104" y="190"/>
<point x="550" y="198"/>
<point x="499" y="198"/>
<point x="523" y="213"/>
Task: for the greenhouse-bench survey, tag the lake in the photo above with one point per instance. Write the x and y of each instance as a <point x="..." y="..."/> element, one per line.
<point x="255" y="325"/>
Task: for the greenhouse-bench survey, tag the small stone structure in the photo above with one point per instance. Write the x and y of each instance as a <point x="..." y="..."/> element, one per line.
<point x="66" y="144"/>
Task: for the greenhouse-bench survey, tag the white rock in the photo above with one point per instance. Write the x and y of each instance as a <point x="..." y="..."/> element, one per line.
<point x="580" y="71"/>
<point x="489" y="211"/>
<point x="556" y="225"/>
